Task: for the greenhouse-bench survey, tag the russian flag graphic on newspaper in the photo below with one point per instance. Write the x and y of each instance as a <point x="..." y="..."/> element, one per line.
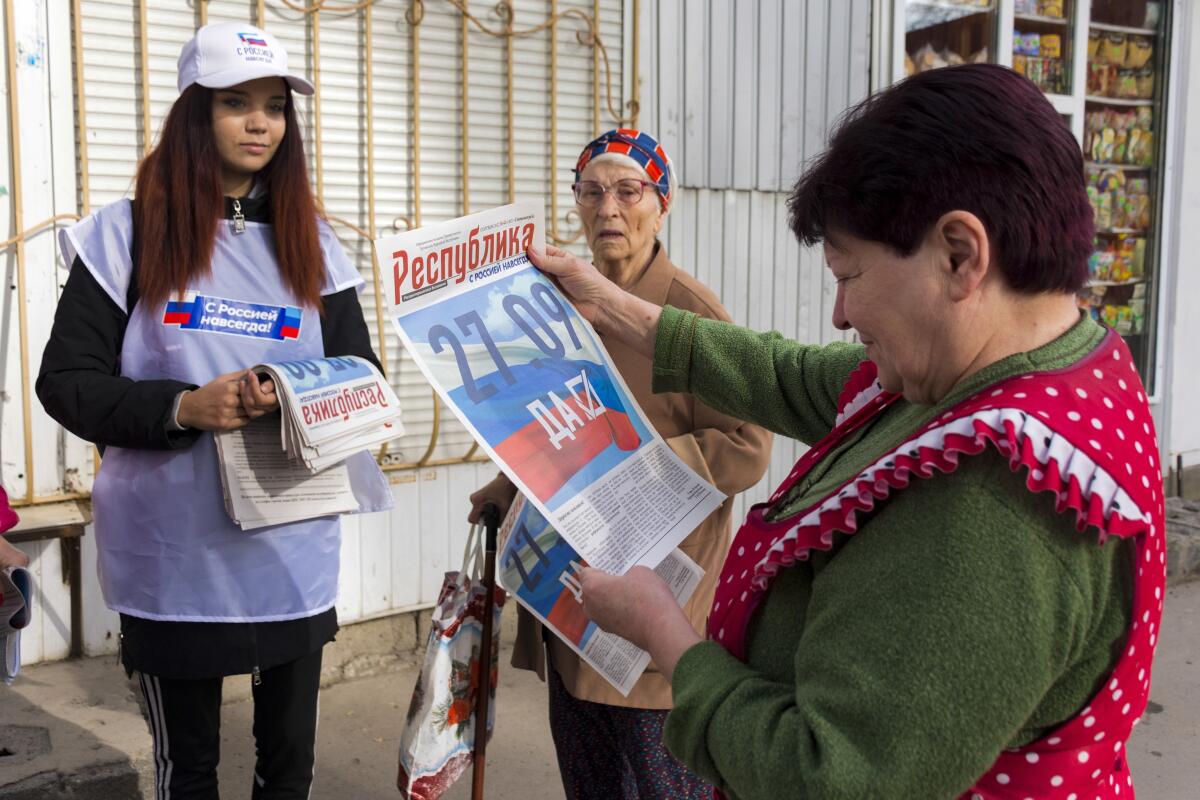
<point x="197" y="312"/>
<point x="546" y="401"/>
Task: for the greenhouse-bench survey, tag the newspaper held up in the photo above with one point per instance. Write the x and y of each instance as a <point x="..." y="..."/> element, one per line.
<point x="531" y="381"/>
<point x="538" y="567"/>
<point x="288" y="466"/>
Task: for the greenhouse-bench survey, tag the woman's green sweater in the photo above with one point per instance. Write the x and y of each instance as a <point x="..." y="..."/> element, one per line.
<point x="964" y="617"/>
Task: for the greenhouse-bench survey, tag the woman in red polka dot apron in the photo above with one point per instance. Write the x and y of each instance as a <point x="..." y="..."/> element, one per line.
<point x="957" y="591"/>
<point x="1084" y="434"/>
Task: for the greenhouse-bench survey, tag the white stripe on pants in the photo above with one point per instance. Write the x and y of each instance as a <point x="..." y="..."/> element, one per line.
<point x="152" y="692"/>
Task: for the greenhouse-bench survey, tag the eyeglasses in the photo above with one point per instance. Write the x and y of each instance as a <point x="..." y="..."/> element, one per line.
<point x="627" y="191"/>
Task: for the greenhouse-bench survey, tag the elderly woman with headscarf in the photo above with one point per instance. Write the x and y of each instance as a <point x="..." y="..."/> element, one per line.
<point x="610" y="746"/>
<point x="957" y="591"/>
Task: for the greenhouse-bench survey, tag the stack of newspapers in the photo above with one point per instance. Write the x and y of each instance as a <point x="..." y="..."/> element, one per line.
<point x="290" y="465"/>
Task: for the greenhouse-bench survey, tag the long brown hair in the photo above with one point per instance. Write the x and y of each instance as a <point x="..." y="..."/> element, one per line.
<point x="178" y="202"/>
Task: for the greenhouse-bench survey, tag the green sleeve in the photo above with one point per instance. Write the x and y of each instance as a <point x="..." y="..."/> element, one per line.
<point x="929" y="643"/>
<point x="784" y="386"/>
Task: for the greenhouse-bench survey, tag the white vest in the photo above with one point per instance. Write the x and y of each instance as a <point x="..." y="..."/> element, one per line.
<point x="167" y="549"/>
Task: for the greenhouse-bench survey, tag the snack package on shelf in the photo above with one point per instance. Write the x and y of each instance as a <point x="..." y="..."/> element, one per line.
<point x="1120" y="145"/>
<point x="1144" y="121"/>
<point x="1139" y="51"/>
<point x="1051" y="8"/>
<point x="1135" y="151"/>
<point x="1126" y="87"/>
<point x="1137" y="195"/>
<point x="1101" y="208"/>
<point x="1100" y="265"/>
<point x="1123" y="266"/>
<point x="1113" y="48"/>
<point x="1137" y="315"/>
<point x="1106" y="191"/>
<point x="1119" y="270"/>
<point x="1112" y="182"/>
<point x="1093" y="124"/>
<point x="1144" y="83"/>
<point x="1101" y="78"/>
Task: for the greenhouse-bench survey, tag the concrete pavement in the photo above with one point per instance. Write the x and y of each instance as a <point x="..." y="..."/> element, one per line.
<point x="101" y="749"/>
<point x="1164" y="752"/>
<point x="359" y="733"/>
<point x="361" y="721"/>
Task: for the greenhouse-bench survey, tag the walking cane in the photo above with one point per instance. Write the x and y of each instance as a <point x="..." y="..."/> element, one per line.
<point x="491" y="521"/>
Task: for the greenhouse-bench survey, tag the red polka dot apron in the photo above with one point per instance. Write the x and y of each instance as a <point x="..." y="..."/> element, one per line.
<point x="1084" y="433"/>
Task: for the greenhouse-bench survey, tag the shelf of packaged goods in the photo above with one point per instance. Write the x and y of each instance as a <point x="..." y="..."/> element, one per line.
<point x="922" y="14"/>
<point x="1106" y="284"/>
<point x="1117" y="101"/>
<point x="1121" y="232"/>
<point x="1123" y="167"/>
<point x="1103" y="26"/>
<point x="948" y="5"/>
<point x="1038" y="18"/>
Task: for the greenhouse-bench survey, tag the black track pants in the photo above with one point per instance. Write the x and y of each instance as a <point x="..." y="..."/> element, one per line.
<point x="185" y="724"/>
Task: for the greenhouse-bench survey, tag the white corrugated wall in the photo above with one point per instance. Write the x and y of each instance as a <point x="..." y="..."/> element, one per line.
<point x="740" y="92"/>
<point x="46" y="141"/>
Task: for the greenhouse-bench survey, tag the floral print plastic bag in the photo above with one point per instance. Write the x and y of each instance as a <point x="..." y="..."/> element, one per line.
<point x="439" y="734"/>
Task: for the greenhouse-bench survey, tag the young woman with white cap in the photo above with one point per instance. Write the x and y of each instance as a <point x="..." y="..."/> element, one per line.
<point x="149" y="354"/>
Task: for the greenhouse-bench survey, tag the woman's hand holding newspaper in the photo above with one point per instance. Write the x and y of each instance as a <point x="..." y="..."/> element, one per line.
<point x="258" y="397"/>
<point x="215" y="406"/>
<point x="640" y="608"/>
<point x="227" y="402"/>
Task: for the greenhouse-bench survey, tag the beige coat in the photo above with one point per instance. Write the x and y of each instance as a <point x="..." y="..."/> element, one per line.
<point x="732" y="454"/>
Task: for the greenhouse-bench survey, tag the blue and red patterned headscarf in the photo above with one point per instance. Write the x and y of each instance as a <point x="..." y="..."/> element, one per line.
<point x="642" y="149"/>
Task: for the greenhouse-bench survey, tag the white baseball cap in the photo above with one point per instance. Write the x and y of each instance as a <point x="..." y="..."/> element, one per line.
<point x="225" y="54"/>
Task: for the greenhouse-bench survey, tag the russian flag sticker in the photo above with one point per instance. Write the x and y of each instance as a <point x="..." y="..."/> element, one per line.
<point x="197" y="312"/>
<point x="290" y="328"/>
<point x="177" y="313"/>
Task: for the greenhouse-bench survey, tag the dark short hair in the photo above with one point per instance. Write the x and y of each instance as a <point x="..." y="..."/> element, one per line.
<point x="977" y="138"/>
